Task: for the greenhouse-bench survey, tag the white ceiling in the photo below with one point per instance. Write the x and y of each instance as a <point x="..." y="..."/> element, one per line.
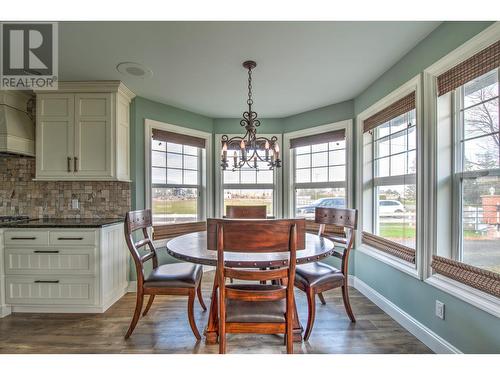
<point x="197" y="65"/>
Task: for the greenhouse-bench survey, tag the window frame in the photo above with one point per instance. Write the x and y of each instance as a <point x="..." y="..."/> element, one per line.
<point x="366" y="188"/>
<point x="459" y="174"/>
<point x="277" y="185"/>
<point x="475" y="297"/>
<point x="289" y="162"/>
<point x="396" y="180"/>
<point x="204" y="204"/>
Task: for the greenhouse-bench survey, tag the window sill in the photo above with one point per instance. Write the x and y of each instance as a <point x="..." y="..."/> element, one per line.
<point x="395" y="262"/>
<point x="477" y="298"/>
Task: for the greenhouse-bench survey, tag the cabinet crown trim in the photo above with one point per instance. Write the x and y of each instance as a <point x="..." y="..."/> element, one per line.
<point x="93" y="86"/>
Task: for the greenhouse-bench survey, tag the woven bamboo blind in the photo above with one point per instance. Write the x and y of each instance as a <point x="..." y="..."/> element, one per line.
<point x="399" y="107"/>
<point x="333" y="136"/>
<point x="330" y="229"/>
<point x="475" y="66"/>
<point x="390" y="247"/>
<point x="478" y="278"/>
<point x="173" y="230"/>
<point x="183" y="139"/>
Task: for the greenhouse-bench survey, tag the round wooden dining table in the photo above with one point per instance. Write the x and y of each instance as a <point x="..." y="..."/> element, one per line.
<point x="192" y="248"/>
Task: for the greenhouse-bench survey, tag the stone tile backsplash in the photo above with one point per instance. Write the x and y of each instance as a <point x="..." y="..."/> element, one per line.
<point x="20" y="195"/>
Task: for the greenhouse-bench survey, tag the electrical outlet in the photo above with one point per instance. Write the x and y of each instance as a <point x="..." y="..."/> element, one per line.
<point x="440" y="309"/>
<point x="75" y="204"/>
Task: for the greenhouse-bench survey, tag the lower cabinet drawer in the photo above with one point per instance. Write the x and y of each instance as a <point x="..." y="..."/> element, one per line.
<point x="43" y="261"/>
<point x="51" y="290"/>
<point x="23" y="237"/>
<point x="76" y="238"/>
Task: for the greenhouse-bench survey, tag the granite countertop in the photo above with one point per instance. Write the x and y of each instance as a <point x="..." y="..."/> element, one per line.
<point x="62" y="223"/>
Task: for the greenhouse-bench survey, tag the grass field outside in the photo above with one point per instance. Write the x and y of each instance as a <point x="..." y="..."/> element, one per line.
<point x="184" y="206"/>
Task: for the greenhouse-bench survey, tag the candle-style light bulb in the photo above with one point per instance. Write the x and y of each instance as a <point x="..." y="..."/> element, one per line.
<point x="243" y="150"/>
<point x="235" y="159"/>
<point x="277" y="151"/>
<point x="224" y="151"/>
<point x="266" y="146"/>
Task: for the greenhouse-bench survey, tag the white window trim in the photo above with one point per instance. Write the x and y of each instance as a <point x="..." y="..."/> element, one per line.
<point x="413" y="84"/>
<point x="475" y="297"/>
<point x="219" y="196"/>
<point x="288" y="161"/>
<point x="206" y="172"/>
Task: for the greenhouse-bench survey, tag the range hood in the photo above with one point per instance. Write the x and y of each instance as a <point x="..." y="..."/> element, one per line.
<point x="17" y="129"/>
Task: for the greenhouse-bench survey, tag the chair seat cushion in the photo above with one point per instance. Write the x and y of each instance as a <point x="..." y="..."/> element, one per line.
<point x="255" y="311"/>
<point x="318" y="274"/>
<point x="175" y="275"/>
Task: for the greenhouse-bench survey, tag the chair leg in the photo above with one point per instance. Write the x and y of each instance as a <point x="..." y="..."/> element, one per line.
<point x="311" y="305"/>
<point x="138" y="307"/>
<point x="289" y="337"/>
<point x="192" y="323"/>
<point x="321" y="298"/>
<point x="347" y="304"/>
<point x="222" y="328"/>
<point x="148" y="306"/>
<point x="200" y="298"/>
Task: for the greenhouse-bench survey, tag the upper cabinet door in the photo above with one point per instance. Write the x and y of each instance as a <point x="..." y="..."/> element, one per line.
<point x="93" y="135"/>
<point x="55" y="135"/>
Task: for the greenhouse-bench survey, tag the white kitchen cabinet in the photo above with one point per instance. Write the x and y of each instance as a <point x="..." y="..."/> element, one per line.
<point x="74" y="270"/>
<point x="82" y="132"/>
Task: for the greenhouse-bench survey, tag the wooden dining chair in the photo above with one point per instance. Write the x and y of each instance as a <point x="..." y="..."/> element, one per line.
<point x="316" y="278"/>
<point x="167" y="279"/>
<point x="246" y="212"/>
<point x="256" y="308"/>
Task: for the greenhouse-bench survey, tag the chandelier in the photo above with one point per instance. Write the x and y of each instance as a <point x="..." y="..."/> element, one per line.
<point x="250" y="149"/>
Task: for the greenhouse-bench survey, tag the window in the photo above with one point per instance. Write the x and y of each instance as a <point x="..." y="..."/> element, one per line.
<point x="176" y="178"/>
<point x="390" y="177"/>
<point x="249" y="186"/>
<point x="466" y="261"/>
<point x="319" y="172"/>
<point x="478" y="171"/>
<point x="394" y="163"/>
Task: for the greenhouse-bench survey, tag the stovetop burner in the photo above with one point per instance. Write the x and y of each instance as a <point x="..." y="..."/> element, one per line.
<point x="10" y="219"/>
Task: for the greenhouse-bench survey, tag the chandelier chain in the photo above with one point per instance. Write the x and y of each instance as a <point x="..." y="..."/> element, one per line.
<point x="250" y="100"/>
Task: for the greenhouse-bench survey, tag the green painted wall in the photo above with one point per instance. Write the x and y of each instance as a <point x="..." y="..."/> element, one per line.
<point x="466" y="327"/>
<point x="444" y="39"/>
<point x="469" y="329"/>
<point x="320" y="116"/>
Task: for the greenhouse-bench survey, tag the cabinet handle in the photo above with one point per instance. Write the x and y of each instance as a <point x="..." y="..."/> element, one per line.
<point x="23" y="238"/>
<point x="46" y="251"/>
<point x="69" y="164"/>
<point x="47" y="281"/>
<point x="75" y="164"/>
<point x="70" y="238"/>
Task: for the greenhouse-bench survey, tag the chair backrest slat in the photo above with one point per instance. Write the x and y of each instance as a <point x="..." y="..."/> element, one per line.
<point x="258" y="275"/>
<point x="256" y="235"/>
<point x="256" y="296"/>
<point x="246" y="212"/>
<point x="342" y="217"/>
<point x="140" y="221"/>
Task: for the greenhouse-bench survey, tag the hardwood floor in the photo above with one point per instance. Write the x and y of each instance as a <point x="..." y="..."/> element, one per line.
<point x="166" y="330"/>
